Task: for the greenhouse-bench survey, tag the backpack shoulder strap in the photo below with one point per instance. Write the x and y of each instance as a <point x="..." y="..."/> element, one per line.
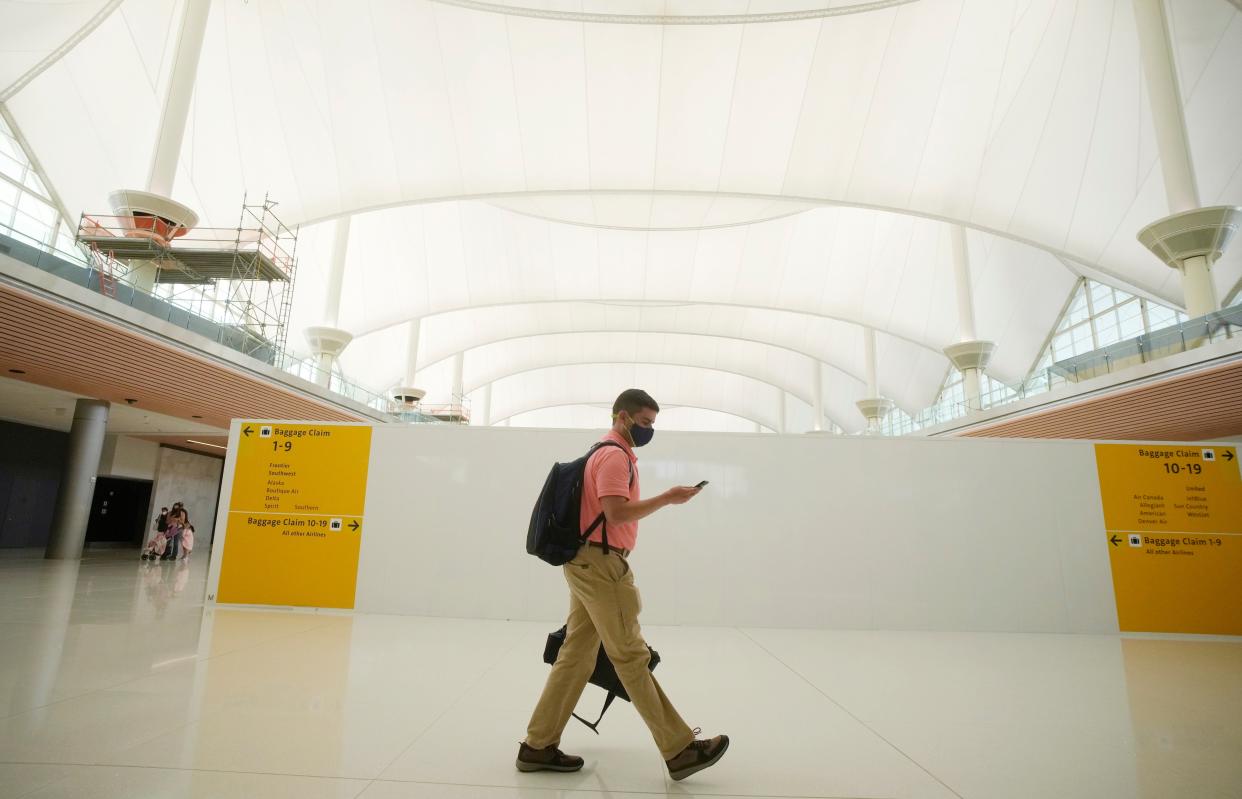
<point x="601" y="519"/>
<point x="628" y="462"/>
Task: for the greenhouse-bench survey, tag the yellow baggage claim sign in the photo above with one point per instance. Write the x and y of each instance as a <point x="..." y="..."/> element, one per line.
<point x="295" y="518"/>
<point x="1173" y="523"/>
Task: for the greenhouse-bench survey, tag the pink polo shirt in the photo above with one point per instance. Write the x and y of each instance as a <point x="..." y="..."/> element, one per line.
<point x="608" y="475"/>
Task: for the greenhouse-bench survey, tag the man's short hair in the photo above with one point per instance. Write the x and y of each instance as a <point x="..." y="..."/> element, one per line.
<point x="634" y="400"/>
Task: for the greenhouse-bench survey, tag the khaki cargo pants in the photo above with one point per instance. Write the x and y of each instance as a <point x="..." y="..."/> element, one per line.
<point x="604" y="605"/>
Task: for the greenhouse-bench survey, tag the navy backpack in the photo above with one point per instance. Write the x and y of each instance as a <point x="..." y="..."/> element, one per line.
<point x="555" y="524"/>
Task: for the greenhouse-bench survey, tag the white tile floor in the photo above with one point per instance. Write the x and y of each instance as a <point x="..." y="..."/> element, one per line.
<point x="115" y="681"/>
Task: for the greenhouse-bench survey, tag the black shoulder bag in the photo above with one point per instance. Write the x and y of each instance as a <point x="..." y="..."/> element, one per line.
<point x="605" y="676"/>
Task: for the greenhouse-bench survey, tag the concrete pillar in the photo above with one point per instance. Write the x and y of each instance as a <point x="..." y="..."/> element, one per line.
<point x="77" y="480"/>
<point x="171" y="131"/>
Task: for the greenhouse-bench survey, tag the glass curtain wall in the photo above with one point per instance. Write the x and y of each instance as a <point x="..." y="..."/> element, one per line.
<point x="27" y="211"/>
<point x="1097" y="315"/>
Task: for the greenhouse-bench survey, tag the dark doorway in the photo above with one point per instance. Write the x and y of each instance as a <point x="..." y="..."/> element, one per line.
<point x="119" y="511"/>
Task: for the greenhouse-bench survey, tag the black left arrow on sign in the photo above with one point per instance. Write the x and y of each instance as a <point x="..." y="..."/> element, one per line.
<point x="1116" y="541"/>
<point x="247" y="430"/>
<point x="354" y="525"/>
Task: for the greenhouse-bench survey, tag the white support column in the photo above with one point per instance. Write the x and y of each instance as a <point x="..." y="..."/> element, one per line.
<point x="961" y="279"/>
<point x="781" y="414"/>
<point x="153" y="211"/>
<point x="327" y="341"/>
<point x="484" y="416"/>
<point x="873" y="407"/>
<point x="1198" y="290"/>
<point x="1165" y="96"/>
<point x="411" y="351"/>
<point x="817" y="390"/>
<point x="408" y="395"/>
<point x="873" y="389"/>
<point x="176" y="110"/>
<point x="459" y="385"/>
<point x="1191" y="238"/>
<point x="969" y="355"/>
<point x="327" y="344"/>
<point x="336" y="271"/>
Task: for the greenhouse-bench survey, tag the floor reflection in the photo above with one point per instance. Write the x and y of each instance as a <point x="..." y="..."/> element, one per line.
<point x="1186" y="706"/>
<point x="116" y="679"/>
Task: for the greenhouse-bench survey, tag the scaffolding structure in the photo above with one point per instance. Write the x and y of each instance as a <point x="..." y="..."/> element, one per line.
<point x="241" y="278"/>
<point x="455" y="412"/>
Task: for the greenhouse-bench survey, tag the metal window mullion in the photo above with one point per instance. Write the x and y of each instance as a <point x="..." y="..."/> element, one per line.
<point x="49" y="241"/>
<point x="21" y="186"/>
<point x="1095" y="337"/>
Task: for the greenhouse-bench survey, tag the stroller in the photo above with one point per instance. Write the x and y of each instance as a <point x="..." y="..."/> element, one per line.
<point x="155" y="547"/>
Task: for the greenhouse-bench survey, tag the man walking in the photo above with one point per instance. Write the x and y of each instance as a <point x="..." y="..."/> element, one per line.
<point x="604" y="605"/>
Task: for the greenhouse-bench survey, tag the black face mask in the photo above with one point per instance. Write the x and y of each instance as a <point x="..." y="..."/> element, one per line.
<point x="642" y="435"/>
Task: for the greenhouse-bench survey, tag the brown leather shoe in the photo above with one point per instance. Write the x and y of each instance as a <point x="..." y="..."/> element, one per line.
<point x="697" y="756"/>
<point x="548" y="759"/>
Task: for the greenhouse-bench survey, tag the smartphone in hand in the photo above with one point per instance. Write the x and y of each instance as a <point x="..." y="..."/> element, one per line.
<point x="700" y="485"/>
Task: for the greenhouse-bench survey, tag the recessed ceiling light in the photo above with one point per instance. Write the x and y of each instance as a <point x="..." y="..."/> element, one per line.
<point x="205" y="444"/>
<point x="196" y="416"/>
<point x="17" y="371"/>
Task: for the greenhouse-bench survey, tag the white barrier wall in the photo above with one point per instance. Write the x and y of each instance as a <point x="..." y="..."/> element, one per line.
<point x="793" y="531"/>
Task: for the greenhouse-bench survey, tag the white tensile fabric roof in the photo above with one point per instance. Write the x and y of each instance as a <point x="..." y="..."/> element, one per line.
<point x="707" y="197"/>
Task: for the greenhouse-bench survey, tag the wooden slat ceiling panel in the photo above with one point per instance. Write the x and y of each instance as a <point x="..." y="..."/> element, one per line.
<point x="60" y="348"/>
<point x="1196" y="406"/>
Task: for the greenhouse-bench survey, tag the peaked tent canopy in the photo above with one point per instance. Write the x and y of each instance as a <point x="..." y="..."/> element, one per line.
<point x="736" y="187"/>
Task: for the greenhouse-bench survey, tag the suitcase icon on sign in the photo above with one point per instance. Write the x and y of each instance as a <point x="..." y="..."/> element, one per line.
<point x="335" y="525"/>
<point x="265" y="431"/>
